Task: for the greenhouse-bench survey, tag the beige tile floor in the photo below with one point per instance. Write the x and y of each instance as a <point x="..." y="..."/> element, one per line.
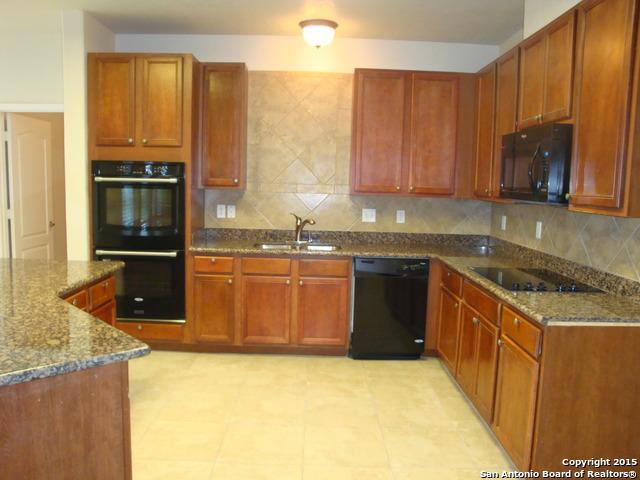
<point x="202" y="416"/>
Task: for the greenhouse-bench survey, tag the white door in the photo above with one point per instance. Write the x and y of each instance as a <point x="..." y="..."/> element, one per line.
<point x="31" y="207"/>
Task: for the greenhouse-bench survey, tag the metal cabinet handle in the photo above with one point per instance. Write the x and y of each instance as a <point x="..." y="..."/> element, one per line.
<point x="475" y="320"/>
<point x="288" y="282"/>
<point x="213" y="259"/>
<point x="300" y="283"/>
<point x="129" y="141"/>
<point x="411" y="188"/>
<point x="455" y="305"/>
<point x="74" y="302"/>
<point x="448" y="274"/>
<point x="145" y="141"/>
<point x="397" y="187"/>
<point x="139" y="327"/>
<point x="235" y="180"/>
<point x="516" y="321"/>
<point x="106" y="284"/>
<point x="567" y="196"/>
<point x="230" y="281"/>
<point x="52" y="224"/>
<point x="486" y="190"/>
<point x="500" y="343"/>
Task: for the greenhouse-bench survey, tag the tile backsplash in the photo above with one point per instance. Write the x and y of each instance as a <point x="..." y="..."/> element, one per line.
<point x="607" y="243"/>
<point x="299" y="141"/>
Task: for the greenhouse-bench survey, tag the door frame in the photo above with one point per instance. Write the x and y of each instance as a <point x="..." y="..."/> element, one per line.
<point x="5" y="213"/>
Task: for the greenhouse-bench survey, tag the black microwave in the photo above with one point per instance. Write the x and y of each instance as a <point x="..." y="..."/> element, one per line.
<point x="536" y="163"/>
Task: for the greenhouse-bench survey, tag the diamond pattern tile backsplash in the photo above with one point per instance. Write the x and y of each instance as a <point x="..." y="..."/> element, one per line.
<point x="299" y="140"/>
<point x="606" y="243"/>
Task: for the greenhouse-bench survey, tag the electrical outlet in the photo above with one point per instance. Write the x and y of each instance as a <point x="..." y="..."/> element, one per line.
<point x="369" y="215"/>
<point x="221" y="211"/>
<point x="231" y="211"/>
<point x="503" y="222"/>
<point x="400" y="216"/>
<point x="538" y="230"/>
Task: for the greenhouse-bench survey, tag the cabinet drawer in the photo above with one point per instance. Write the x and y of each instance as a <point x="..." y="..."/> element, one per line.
<point x="324" y="268"/>
<point x="102" y="292"/>
<point x="79" y="300"/>
<point x="151" y="331"/>
<point x="266" y="266"/>
<point x="452" y="281"/>
<point x="481" y="302"/>
<point x="213" y="264"/>
<point x="521" y="331"/>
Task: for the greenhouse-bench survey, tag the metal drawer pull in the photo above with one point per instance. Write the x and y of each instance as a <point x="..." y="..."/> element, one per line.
<point x="301" y="283"/>
<point x="134" y="180"/>
<point x="74" y="301"/>
<point x="516" y="321"/>
<point x="139" y="327"/>
<point x="213" y="260"/>
<point x="500" y="343"/>
<point x="475" y="320"/>
<point x="229" y="281"/>
<point x="288" y="282"/>
<point x="135" y="253"/>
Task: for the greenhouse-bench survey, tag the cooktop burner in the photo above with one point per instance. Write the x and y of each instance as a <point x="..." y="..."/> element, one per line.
<point x="533" y="280"/>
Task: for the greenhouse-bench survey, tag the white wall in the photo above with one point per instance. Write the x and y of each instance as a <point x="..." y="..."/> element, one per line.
<point x="30" y="61"/>
<point x="280" y="53"/>
<point x="538" y="13"/>
<point x="81" y="34"/>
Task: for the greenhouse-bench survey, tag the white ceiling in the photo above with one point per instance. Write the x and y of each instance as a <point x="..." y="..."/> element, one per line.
<point x="464" y="21"/>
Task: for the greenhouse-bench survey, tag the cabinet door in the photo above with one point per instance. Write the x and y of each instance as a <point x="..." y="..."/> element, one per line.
<point x="485" y="131"/>
<point x="323" y="311"/>
<point x="379" y="130"/>
<point x="266" y="310"/>
<point x="487" y="363"/>
<point x="112" y="99"/>
<point x="516" y="393"/>
<point x="603" y="77"/>
<point x="467" y="364"/>
<point x="214" y="302"/>
<point x="224" y="118"/>
<point x="448" y="329"/>
<point x="532" y="73"/>
<point x="160" y="102"/>
<point x="106" y="313"/>
<point x="506" y="107"/>
<point x="558" y="82"/>
<point x="434" y="129"/>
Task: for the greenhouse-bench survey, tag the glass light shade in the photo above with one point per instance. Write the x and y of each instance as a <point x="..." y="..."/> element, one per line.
<point x="318" y="33"/>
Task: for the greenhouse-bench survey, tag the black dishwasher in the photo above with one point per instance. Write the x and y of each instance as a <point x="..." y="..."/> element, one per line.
<point x="389" y="308"/>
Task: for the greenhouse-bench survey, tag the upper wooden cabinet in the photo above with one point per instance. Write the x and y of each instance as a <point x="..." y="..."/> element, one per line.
<point x="379" y="128"/>
<point x="139" y="106"/>
<point x="408" y="135"/>
<point x="605" y="155"/>
<point x="485" y="125"/>
<point x="224" y="121"/>
<point x="546" y="73"/>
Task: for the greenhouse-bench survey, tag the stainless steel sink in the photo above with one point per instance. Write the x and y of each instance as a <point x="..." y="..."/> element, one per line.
<point x="317" y="247"/>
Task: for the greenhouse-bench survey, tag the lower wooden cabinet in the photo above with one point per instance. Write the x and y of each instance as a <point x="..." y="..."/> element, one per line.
<point x="98" y="299"/>
<point x="106" y="313"/>
<point x="323" y="311"/>
<point x="515" y="408"/>
<point x="152" y="331"/>
<point x="214" y="308"/>
<point x="448" y="330"/>
<point x="266" y="309"/>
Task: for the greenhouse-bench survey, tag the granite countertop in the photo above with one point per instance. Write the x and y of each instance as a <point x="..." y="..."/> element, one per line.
<point x="41" y="335"/>
<point x="460" y="254"/>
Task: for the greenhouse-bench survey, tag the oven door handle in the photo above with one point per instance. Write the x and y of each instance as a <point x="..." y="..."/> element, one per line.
<point x="136" y="253"/>
<point x="134" y="180"/>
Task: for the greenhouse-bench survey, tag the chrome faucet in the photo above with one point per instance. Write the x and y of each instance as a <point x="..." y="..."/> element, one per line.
<point x="300" y="224"/>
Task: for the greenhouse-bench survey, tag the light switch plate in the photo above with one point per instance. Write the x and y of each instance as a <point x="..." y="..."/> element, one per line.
<point x="503" y="222"/>
<point x="400" y="216"/>
<point x="221" y="211"/>
<point x="231" y="211"/>
<point x="538" y="230"/>
<point x="369" y="215"/>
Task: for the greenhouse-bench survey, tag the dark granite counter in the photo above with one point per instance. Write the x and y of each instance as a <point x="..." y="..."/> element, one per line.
<point x="41" y="335"/>
<point x="620" y="305"/>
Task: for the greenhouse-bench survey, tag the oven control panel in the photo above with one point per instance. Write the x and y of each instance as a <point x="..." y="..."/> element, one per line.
<point x="138" y="169"/>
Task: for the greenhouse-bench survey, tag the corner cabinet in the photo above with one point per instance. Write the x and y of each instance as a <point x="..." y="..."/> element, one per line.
<point x="98" y="299"/>
<point x="406" y="132"/>
<point x="224" y="125"/>
<point x="139" y="105"/>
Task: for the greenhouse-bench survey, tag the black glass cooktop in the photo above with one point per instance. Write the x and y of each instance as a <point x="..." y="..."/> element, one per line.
<point x="533" y="280"/>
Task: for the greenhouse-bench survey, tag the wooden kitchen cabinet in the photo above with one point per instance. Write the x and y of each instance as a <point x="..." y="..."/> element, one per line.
<point x="266" y="309"/>
<point x="380" y="124"/>
<point x="323" y="311"/>
<point x="139" y="106"/>
<point x="106" y="313"/>
<point x="224" y="125"/>
<point x="485" y="124"/>
<point x="449" y="329"/>
<point x="214" y="308"/>
<point x="411" y="132"/>
<point x="515" y="407"/>
<point x="98" y="299"/>
<point x="546" y="73"/>
<point x="604" y="170"/>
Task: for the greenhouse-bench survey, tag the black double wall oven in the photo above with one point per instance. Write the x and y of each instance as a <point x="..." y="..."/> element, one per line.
<point x="138" y="217"/>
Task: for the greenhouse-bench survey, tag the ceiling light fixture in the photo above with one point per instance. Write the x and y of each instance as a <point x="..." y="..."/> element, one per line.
<point x="317" y="32"/>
